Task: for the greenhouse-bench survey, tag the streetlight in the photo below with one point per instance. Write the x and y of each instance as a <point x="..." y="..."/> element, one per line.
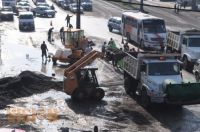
<point x="141" y="6"/>
<point x="78" y="15"/>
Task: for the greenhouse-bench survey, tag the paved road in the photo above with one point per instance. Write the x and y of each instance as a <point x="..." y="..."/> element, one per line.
<point x="117" y="112"/>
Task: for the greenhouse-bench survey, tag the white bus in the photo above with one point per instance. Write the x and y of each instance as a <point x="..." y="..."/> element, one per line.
<point x="9" y="3"/>
<point x="146" y="30"/>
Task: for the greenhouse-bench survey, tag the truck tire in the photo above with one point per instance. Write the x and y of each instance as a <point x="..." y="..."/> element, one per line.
<point x="110" y="28"/>
<point x="187" y="65"/>
<point x="130" y="84"/>
<point x="144" y="98"/>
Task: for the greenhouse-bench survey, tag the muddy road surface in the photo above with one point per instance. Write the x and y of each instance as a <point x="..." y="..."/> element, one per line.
<point x="41" y="104"/>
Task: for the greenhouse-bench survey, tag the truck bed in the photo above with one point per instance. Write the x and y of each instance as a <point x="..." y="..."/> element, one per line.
<point x="173" y="39"/>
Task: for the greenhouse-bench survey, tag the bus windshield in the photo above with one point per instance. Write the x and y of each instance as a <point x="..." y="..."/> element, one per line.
<point x="167" y="68"/>
<point x="154" y="26"/>
<point x="194" y="42"/>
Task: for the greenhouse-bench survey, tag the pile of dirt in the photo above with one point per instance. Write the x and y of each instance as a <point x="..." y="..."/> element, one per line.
<point x="23" y="85"/>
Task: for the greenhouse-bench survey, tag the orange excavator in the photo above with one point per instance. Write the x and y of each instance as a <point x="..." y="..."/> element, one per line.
<point x="75" y="44"/>
<point x="80" y="81"/>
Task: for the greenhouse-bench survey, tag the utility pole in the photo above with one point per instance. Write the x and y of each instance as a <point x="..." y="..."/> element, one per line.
<point x="78" y="15"/>
<point x="141" y="6"/>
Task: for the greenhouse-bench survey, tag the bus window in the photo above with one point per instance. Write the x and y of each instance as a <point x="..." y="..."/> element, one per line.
<point x="154" y="26"/>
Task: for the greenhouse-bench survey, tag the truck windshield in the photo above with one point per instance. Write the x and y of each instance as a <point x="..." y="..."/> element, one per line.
<point x="166" y="68"/>
<point x="154" y="26"/>
<point x="194" y="42"/>
<point x="26" y="17"/>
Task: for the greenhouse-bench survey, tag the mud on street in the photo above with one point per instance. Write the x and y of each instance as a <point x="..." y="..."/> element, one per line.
<point x="32" y="100"/>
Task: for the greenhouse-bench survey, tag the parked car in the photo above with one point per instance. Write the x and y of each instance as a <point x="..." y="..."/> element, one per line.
<point x="6" y="13"/>
<point x="42" y="4"/>
<point x="73" y="8"/>
<point x="58" y="2"/>
<point x="87" y="5"/>
<point x="22" y="6"/>
<point x="44" y="11"/>
<point x="114" y="23"/>
<point x="26" y="21"/>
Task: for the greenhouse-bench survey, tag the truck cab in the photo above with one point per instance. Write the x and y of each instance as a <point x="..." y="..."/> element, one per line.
<point x="190" y="49"/>
<point x="156" y="73"/>
<point x="26" y="21"/>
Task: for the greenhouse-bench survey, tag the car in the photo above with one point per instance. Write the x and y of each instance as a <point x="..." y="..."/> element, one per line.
<point x="26" y="21"/>
<point x="6" y="13"/>
<point x="114" y="23"/>
<point x="73" y="8"/>
<point x="42" y="4"/>
<point x="87" y="5"/>
<point x="22" y="6"/>
<point x="44" y="11"/>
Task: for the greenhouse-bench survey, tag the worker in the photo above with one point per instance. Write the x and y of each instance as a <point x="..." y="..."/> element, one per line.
<point x="68" y="19"/>
<point x="103" y="49"/>
<point x="126" y="47"/>
<point x="52" y="7"/>
<point x="62" y="34"/>
<point x="44" y="50"/>
<point x="96" y="129"/>
<point x="50" y="34"/>
<point x="111" y="44"/>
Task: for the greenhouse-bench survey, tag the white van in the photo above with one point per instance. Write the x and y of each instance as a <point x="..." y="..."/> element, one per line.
<point x="9" y="3"/>
<point x="26" y="21"/>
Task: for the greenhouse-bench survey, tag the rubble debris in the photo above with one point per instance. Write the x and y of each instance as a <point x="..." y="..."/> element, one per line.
<point x="25" y="84"/>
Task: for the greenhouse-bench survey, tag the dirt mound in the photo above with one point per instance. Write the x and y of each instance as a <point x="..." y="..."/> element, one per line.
<point x="25" y="84"/>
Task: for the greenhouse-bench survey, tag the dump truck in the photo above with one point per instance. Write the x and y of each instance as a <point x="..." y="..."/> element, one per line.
<point x="187" y="43"/>
<point x="75" y="46"/>
<point x="80" y="81"/>
<point x="157" y="78"/>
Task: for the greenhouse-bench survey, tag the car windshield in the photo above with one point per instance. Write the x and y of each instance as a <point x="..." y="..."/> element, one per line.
<point x="164" y="68"/>
<point x="7" y="9"/>
<point x="45" y="8"/>
<point x="154" y="26"/>
<point x="194" y="42"/>
<point x="86" y="1"/>
<point x="23" y="4"/>
<point x="26" y="16"/>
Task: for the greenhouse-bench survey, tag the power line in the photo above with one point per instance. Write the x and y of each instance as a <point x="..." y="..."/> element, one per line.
<point x="134" y="3"/>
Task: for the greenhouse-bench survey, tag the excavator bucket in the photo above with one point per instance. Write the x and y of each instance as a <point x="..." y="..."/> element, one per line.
<point x="186" y="93"/>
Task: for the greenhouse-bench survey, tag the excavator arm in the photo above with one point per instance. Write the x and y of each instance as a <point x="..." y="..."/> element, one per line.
<point x="70" y="77"/>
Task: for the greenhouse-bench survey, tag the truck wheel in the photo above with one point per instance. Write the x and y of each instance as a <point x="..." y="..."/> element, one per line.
<point x="185" y="63"/>
<point x="98" y="94"/>
<point x="110" y="28"/>
<point x="145" y="100"/>
<point x="197" y="77"/>
<point x="127" y="84"/>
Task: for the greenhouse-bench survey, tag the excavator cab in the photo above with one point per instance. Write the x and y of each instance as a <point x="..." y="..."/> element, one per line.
<point x="73" y="37"/>
<point x="80" y="81"/>
<point x="74" y="43"/>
